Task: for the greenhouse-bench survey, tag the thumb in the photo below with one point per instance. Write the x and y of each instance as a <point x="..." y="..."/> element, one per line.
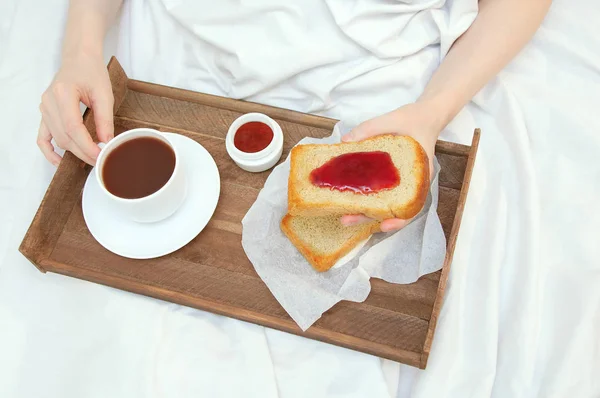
<point x="376" y="126"/>
<point x="393" y="224"/>
<point x="102" y="105"/>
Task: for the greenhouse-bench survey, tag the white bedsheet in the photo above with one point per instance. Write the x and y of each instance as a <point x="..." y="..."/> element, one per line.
<point x="521" y="316"/>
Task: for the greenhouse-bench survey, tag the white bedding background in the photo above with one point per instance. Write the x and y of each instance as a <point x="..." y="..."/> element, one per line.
<point x="521" y="317"/>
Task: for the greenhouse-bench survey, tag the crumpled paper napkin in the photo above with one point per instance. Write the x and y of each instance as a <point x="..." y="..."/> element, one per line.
<point x="396" y="257"/>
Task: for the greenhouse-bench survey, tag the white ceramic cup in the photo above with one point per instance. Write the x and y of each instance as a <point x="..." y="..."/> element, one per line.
<point x="154" y="207"/>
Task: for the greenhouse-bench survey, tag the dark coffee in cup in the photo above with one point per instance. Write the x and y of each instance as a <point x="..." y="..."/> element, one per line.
<point x="138" y="167"/>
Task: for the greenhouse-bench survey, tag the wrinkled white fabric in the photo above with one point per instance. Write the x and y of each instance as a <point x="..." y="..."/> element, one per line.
<point x="521" y="317"/>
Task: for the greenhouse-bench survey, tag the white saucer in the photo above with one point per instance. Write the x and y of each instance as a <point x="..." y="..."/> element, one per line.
<point x="131" y="239"/>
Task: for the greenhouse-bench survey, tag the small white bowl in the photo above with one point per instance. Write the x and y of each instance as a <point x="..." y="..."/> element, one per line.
<point x="257" y="161"/>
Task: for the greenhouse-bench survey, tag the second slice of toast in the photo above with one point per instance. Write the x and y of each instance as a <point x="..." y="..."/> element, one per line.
<point x="403" y="201"/>
<point x="324" y="240"/>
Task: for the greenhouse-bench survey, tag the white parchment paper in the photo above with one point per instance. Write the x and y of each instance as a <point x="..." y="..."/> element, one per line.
<point x="397" y="257"/>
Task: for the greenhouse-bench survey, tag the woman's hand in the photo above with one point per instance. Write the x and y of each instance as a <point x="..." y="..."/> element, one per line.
<point x="418" y="120"/>
<point x="478" y="55"/>
<point x="81" y="78"/>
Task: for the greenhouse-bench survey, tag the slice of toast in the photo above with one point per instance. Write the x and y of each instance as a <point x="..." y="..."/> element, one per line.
<point x="403" y="201"/>
<point x="324" y="240"/>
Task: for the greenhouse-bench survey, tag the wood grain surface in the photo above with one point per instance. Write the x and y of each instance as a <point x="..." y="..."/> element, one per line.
<point x="450" y="245"/>
<point x="212" y="272"/>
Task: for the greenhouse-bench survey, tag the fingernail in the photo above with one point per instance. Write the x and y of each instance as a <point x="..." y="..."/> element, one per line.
<point x="345" y="222"/>
<point x="348" y="220"/>
<point x="347" y="137"/>
<point x="388" y="228"/>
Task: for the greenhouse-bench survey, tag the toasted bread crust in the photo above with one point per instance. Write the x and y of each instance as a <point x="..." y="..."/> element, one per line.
<point x="418" y="201"/>
<point x="297" y="206"/>
<point x="322" y="263"/>
<point x="294" y="200"/>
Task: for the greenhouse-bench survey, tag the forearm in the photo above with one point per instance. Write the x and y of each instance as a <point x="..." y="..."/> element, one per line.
<point x="87" y="24"/>
<point x="500" y="31"/>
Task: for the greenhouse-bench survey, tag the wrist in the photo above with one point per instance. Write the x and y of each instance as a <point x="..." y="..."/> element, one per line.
<point x="439" y="111"/>
<point x="75" y="53"/>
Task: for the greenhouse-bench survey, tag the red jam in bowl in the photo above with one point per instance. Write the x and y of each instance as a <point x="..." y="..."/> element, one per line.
<point x="360" y="172"/>
<point x="253" y="137"/>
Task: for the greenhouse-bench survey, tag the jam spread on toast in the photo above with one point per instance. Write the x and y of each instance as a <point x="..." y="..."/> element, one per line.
<point x="359" y="172"/>
<point x="253" y="137"/>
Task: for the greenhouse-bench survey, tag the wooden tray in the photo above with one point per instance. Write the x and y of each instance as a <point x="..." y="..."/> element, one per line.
<point x="212" y="272"/>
